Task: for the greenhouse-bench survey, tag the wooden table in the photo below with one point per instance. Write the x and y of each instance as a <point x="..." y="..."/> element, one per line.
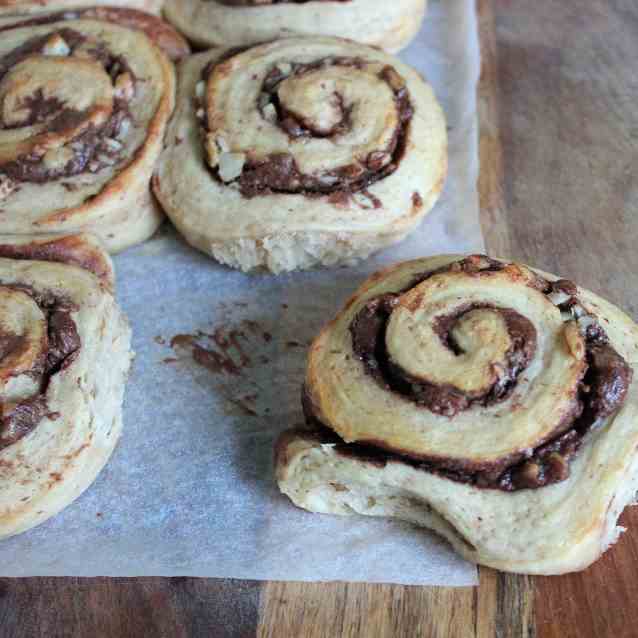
<point x="559" y="151"/>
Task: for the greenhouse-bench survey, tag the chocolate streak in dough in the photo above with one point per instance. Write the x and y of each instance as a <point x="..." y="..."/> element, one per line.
<point x="279" y="172"/>
<point x="59" y="349"/>
<point x="88" y="146"/>
<point x="601" y="392"/>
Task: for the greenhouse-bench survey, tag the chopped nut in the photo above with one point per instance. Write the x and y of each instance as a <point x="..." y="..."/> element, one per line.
<point x="124" y="88"/>
<point x="211" y="150"/>
<point x="577" y="311"/>
<point x="94" y="166"/>
<point x="231" y="166"/>
<point x="222" y="144"/>
<point x="559" y="297"/>
<point x="125" y="127"/>
<point x="107" y="160"/>
<point x="112" y="144"/>
<point x="7" y="186"/>
<point x="574" y="340"/>
<point x="285" y="68"/>
<point x="270" y="113"/>
<point x="327" y="180"/>
<point x="57" y="158"/>
<point x="56" y="45"/>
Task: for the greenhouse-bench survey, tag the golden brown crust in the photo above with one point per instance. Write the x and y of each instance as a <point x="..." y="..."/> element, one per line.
<point x="13" y="7"/>
<point x="161" y="33"/>
<point x="81" y="250"/>
<point x="420" y="398"/>
<point x="96" y="179"/>
<point x="61" y="415"/>
<point x="211" y="23"/>
<point x="556" y="509"/>
<point x="118" y="185"/>
<point x="167" y="38"/>
<point x="255" y="187"/>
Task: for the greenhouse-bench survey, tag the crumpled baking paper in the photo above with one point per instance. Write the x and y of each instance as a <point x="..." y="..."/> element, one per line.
<point x="190" y="489"/>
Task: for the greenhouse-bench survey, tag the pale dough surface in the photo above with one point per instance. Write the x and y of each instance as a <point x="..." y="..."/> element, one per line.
<point x="550" y="530"/>
<point x="51" y="466"/>
<point x="115" y="203"/>
<point x="13" y="6"/>
<point x="281" y="231"/>
<point x="208" y="23"/>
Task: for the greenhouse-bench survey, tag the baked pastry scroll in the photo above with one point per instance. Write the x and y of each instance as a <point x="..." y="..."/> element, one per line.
<point x="214" y="23"/>
<point x="490" y="402"/>
<point x="83" y="108"/>
<point x="161" y="33"/>
<point x="14" y="6"/>
<point x="299" y="153"/>
<point x="64" y="357"/>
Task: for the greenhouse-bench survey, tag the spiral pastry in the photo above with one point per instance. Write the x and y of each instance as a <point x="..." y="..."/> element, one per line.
<point x="300" y="152"/>
<point x="83" y="108"/>
<point x="64" y="358"/>
<point x="161" y="33"/>
<point x="8" y="7"/>
<point x="490" y="402"/>
<point x="211" y="23"/>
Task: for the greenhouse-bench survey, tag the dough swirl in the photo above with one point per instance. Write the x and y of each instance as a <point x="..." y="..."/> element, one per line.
<point x="300" y="152"/>
<point x="83" y="107"/>
<point x="477" y="397"/>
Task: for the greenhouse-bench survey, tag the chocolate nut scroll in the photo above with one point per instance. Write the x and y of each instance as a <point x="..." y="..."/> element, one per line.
<point x="35" y="6"/>
<point x="215" y="23"/>
<point x="300" y="153"/>
<point x="64" y="358"/>
<point x="83" y="108"/>
<point x="170" y="41"/>
<point x="488" y="401"/>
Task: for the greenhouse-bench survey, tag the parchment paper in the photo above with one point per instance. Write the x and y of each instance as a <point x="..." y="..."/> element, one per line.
<point x="190" y="489"/>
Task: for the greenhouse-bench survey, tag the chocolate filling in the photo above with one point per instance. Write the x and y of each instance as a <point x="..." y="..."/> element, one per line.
<point x="279" y="173"/>
<point x="63" y="344"/>
<point x="600" y="393"/>
<point x="9" y="344"/>
<point x="368" y="341"/>
<point x="93" y="149"/>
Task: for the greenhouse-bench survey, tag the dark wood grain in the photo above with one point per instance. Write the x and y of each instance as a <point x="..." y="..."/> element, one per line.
<point x="509" y="611"/>
<point x="567" y="90"/>
<point x="315" y="610"/>
<point x="123" y="607"/>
